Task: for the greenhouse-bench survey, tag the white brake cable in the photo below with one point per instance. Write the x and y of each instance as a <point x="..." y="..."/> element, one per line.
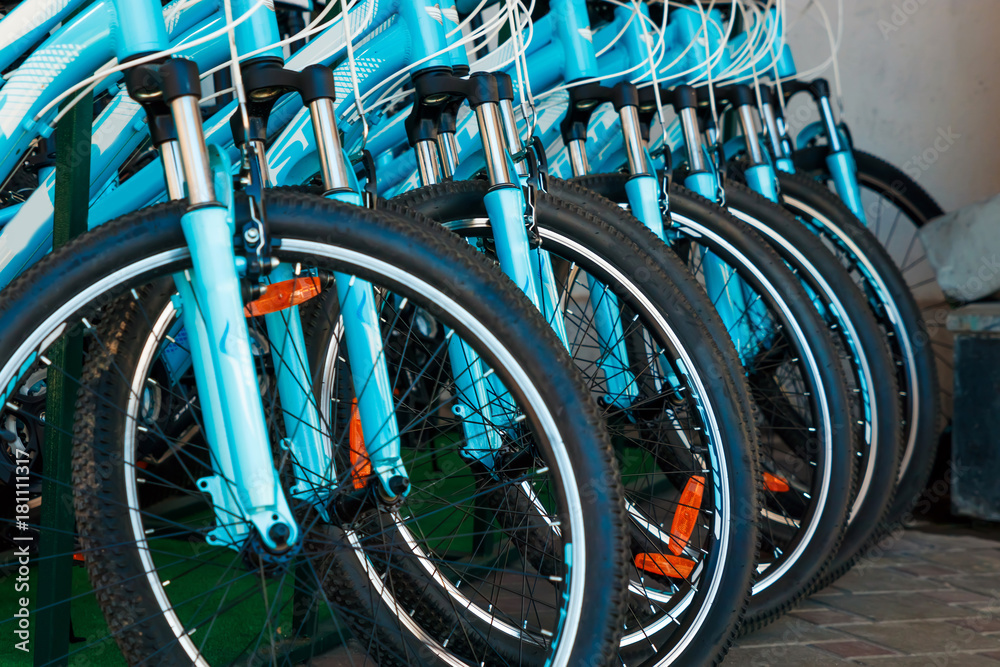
<point x="653" y="65"/>
<point x="467" y="19"/>
<point x="528" y="25"/>
<point x="308" y="31"/>
<point x="835" y="48"/>
<point x="234" y="69"/>
<point x="660" y="40"/>
<point x="834" y="60"/>
<point x="612" y="75"/>
<point x="521" y="69"/>
<point x="398" y="77"/>
<point x="352" y="68"/>
<point x="709" y="65"/>
<point x="713" y="57"/>
<point x="756" y="46"/>
<point x="100" y="75"/>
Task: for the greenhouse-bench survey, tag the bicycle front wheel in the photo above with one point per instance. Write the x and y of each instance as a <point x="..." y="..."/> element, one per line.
<point x="171" y="595"/>
<point x="678" y="417"/>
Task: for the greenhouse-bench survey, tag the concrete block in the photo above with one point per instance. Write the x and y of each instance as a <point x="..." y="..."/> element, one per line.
<point x="964" y="249"/>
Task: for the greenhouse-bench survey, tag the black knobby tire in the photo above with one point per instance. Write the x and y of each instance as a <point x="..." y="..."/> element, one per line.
<point x="922" y="439"/>
<point x="881" y="176"/>
<point x="152" y="242"/>
<point x="814" y="263"/>
<point x="566" y="216"/>
<point x="739" y="246"/>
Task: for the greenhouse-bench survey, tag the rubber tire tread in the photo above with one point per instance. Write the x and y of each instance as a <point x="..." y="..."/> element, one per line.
<point x="783" y="595"/>
<point x="467" y="277"/>
<point x="614" y="236"/>
<point x="912" y="483"/>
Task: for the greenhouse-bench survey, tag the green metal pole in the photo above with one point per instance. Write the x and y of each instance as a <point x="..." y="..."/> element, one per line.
<point x="55" y="568"/>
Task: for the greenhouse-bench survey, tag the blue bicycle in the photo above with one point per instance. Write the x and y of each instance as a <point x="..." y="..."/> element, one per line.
<point x="436" y="507"/>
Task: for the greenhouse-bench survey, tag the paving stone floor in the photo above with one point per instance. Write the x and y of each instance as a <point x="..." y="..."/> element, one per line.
<point x="928" y="597"/>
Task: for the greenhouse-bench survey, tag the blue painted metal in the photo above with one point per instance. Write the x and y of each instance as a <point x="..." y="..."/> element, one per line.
<point x="138" y="27"/>
<point x="505" y="207"/>
<point x="472" y="403"/>
<point x="427" y="35"/>
<point x="217" y="299"/>
<point x="644" y="200"/>
<point x="762" y="180"/>
<point x="620" y="381"/>
<point x="785" y="164"/>
<point x="703" y="183"/>
<point x="449" y="21"/>
<point x="369" y="372"/>
<point x="844" y="171"/>
<point x="28" y="23"/>
<point x="257" y="32"/>
<point x="373" y="390"/>
<point x="571" y="27"/>
<point x="305" y="437"/>
<point x="808" y="133"/>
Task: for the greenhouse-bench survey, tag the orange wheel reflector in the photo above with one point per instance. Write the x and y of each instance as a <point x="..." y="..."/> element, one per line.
<point x="285" y="294"/>
<point x="687" y="514"/>
<point x="775" y="484"/>
<point x="78" y="557"/>
<point x="361" y="466"/>
<point x="674" y="567"/>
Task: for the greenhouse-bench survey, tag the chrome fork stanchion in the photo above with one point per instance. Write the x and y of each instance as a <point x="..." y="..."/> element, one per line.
<point x="578" y="157"/>
<point x="692" y="139"/>
<point x="829" y="123"/>
<point x="775" y="134"/>
<point x="749" y="126"/>
<point x="634" y="148"/>
<point x="492" y="133"/>
<point x="193" y="150"/>
<point x="173" y="168"/>
<point x="331" y="154"/>
<point x="213" y="312"/>
<point x="448" y="148"/>
<point x="427" y="161"/>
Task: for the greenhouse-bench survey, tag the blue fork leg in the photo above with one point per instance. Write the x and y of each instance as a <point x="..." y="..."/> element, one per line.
<point x="230" y="528"/>
<point x="310" y="452"/>
<point x="215" y="293"/>
<point x="728" y="291"/>
<point x="530" y="269"/>
<point x="473" y="405"/>
<point x="370" y="374"/>
<point x="845" y="180"/>
<point x="505" y="207"/>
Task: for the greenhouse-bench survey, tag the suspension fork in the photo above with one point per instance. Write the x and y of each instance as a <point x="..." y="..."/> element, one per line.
<point x="840" y="160"/>
<point x="759" y="172"/>
<point x="473" y="385"/>
<point x="539" y="258"/>
<point x="725" y="288"/>
<point x="774" y="127"/>
<point x="266" y="80"/>
<point x="362" y="324"/>
<point x="246" y="483"/>
<point x="643" y="197"/>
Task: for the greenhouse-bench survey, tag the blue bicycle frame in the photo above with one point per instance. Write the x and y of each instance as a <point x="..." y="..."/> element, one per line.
<point x="289" y="165"/>
<point x="558" y="53"/>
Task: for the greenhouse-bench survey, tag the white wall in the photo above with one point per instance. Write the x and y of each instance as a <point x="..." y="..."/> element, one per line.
<point x="921" y="82"/>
